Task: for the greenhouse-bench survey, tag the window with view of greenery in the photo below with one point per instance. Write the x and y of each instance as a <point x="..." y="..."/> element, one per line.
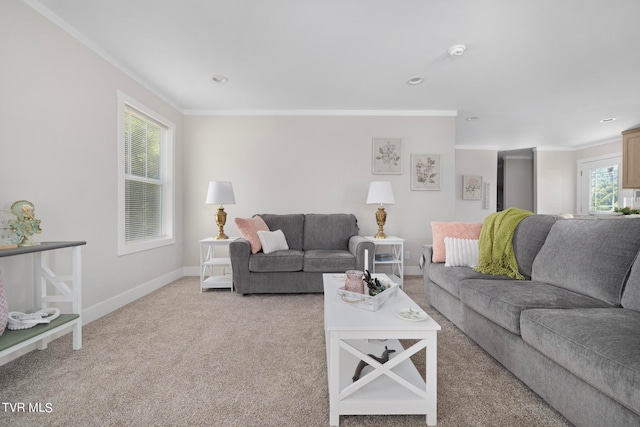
<point x="145" y="195"/>
<point x="604" y="189"/>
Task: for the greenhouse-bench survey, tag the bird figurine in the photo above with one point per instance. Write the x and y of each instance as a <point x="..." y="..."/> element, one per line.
<point x="382" y="359"/>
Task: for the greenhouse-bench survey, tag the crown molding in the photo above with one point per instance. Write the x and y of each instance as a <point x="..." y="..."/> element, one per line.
<point x="601" y="142"/>
<point x="550" y="148"/>
<point x="542" y="148"/>
<point x="477" y="148"/>
<point x="73" y="32"/>
<point x="377" y="113"/>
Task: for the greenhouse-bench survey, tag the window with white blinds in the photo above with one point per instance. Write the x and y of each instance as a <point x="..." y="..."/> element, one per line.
<point x="143" y="183"/>
<point x="145" y="198"/>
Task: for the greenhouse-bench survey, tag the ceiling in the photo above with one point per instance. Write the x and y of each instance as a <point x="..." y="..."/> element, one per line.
<point x="536" y="73"/>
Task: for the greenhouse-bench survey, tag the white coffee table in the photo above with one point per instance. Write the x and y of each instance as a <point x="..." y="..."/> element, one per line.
<point x="395" y="387"/>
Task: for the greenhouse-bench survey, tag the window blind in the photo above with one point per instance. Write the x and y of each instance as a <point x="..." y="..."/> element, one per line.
<point x="143" y="184"/>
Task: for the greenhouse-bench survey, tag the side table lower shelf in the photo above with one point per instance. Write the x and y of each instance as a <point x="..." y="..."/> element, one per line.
<point x="14" y="340"/>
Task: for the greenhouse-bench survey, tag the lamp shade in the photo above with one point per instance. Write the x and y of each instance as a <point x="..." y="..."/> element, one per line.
<point x="380" y="192"/>
<point x="220" y="193"/>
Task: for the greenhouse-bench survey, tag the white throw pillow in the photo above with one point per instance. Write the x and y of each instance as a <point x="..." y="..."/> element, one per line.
<point x="272" y="241"/>
<point x="460" y="252"/>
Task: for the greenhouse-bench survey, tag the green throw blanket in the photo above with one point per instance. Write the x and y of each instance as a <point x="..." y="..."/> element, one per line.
<point x="496" y="256"/>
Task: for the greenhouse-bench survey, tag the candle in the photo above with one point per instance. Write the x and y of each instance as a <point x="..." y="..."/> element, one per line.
<point x="366" y="259"/>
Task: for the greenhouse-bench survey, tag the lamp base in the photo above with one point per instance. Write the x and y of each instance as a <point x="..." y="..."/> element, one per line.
<point x="221" y="219"/>
<point x="381" y="218"/>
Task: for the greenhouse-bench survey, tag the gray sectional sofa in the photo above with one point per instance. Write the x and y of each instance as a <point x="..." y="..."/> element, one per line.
<point x="571" y="331"/>
<point x="318" y="243"/>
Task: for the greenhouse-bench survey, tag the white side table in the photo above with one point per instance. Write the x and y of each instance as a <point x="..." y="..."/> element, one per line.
<point x="209" y="261"/>
<point x="392" y="256"/>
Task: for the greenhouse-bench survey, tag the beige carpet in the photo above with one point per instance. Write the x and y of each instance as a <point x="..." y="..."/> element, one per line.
<point x="179" y="357"/>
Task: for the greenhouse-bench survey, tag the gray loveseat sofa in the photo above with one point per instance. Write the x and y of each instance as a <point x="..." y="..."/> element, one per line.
<point x="571" y="332"/>
<point x="318" y="243"/>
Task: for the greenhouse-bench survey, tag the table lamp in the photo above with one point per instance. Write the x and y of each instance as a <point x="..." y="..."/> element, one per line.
<point x="380" y="192"/>
<point x="220" y="193"/>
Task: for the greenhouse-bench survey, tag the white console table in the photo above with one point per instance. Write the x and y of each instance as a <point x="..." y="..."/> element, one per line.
<point x="49" y="288"/>
<point x="395" y="260"/>
<point x="209" y="262"/>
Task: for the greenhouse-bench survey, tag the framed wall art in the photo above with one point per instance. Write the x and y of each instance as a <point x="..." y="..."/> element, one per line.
<point x="425" y="172"/>
<point x="471" y="187"/>
<point x="386" y="156"/>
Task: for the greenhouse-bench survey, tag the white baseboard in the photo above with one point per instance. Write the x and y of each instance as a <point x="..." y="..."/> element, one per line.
<point x="191" y="271"/>
<point x="105" y="307"/>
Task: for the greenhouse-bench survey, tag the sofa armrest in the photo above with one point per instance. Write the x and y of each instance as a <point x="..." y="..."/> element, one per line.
<point x="239" y="253"/>
<point x="357" y="246"/>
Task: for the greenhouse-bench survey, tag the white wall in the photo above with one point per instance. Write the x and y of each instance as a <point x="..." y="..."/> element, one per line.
<point x="475" y="162"/>
<point x="313" y="164"/>
<point x="58" y="145"/>
<point x="554" y="181"/>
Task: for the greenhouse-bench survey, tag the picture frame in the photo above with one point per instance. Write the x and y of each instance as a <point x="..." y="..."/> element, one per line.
<point x="472" y="187"/>
<point x="426" y="172"/>
<point x="386" y="156"/>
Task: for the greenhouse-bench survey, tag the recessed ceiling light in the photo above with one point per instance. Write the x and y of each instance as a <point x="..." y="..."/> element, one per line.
<point x="415" y="80"/>
<point x="457" y="50"/>
<point x="608" y="119"/>
<point x="472" y="118"/>
<point x="218" y="78"/>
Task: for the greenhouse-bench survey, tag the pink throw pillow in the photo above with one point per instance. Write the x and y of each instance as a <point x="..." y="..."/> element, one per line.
<point x="461" y="230"/>
<point x="249" y="227"/>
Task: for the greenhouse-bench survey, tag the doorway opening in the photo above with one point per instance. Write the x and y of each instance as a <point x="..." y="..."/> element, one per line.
<point x="515" y="180"/>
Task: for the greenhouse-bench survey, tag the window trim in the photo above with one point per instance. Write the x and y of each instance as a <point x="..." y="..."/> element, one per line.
<point x="167" y="174"/>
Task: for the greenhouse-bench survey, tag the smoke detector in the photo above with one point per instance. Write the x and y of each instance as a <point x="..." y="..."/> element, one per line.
<point x="457" y="50"/>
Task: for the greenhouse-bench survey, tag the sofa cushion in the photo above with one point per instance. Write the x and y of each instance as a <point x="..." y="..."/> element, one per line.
<point x="328" y="261"/>
<point x="631" y="292"/>
<point x="601" y="346"/>
<point x="248" y="228"/>
<point x="528" y="238"/>
<point x="461" y="230"/>
<point x="291" y="260"/>
<point x="272" y="241"/>
<point x="329" y="231"/>
<point x="502" y="301"/>
<point x="591" y="257"/>
<point x="450" y="278"/>
<point x="292" y="226"/>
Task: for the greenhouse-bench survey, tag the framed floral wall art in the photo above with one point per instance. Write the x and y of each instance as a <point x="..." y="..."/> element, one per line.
<point x="386" y="158"/>
<point x="471" y="187"/>
<point x="425" y="172"/>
